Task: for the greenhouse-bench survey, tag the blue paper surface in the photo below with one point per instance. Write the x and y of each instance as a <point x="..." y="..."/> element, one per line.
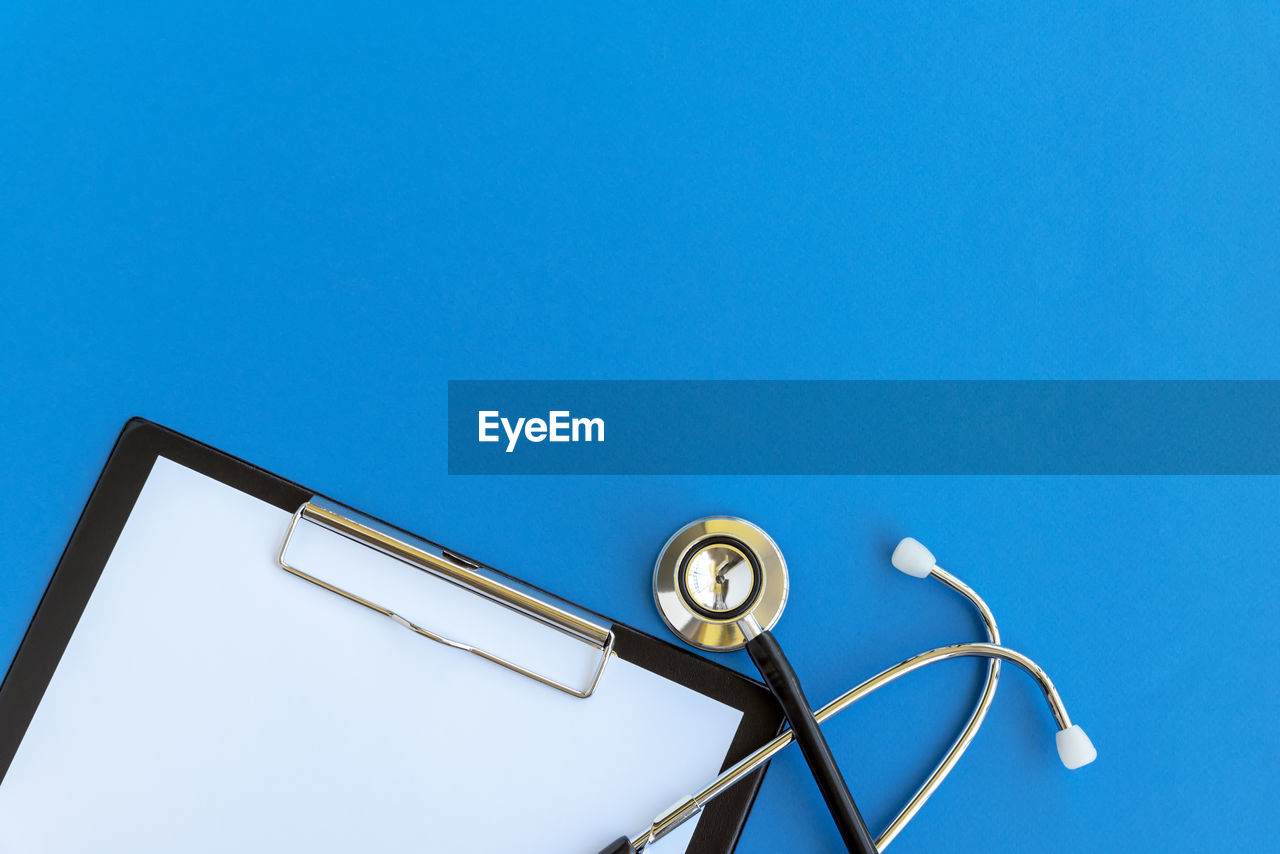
<point x="283" y="230"/>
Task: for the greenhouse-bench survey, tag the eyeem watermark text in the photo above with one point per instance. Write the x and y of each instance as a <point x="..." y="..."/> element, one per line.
<point x="558" y="426"/>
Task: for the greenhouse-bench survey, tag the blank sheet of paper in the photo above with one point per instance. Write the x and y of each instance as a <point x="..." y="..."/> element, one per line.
<point x="211" y="702"/>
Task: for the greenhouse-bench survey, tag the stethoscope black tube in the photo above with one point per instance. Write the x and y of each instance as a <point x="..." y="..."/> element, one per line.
<point x="621" y="845"/>
<point x="782" y="681"/>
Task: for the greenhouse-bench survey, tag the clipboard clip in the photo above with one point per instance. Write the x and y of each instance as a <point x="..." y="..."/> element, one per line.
<point x="467" y="574"/>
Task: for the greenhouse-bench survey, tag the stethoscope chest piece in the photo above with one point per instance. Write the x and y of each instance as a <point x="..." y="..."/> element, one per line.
<point x="714" y="573"/>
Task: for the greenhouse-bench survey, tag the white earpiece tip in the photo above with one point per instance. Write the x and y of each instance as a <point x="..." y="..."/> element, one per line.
<point x="1074" y="747"/>
<point x="913" y="558"/>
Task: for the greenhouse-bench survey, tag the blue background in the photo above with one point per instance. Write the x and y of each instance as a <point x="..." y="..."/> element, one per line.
<point x="282" y="229"/>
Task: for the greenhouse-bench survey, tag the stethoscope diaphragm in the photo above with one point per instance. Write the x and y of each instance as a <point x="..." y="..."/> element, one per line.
<point x="714" y="573"/>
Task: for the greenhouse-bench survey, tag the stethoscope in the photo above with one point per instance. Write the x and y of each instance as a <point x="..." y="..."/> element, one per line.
<point x="721" y="584"/>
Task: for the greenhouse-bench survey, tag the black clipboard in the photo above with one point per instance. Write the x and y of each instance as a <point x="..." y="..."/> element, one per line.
<point x="107" y="511"/>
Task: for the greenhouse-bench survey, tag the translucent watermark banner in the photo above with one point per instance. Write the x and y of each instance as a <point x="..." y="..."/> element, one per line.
<point x="1038" y="427"/>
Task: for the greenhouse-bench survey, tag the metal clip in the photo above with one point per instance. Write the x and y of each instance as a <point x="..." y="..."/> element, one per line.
<point x="428" y="557"/>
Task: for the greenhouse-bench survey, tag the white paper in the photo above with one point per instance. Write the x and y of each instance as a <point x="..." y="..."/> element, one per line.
<point x="211" y="702"/>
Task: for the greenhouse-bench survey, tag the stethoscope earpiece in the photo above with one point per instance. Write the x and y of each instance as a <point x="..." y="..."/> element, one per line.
<point x="716" y="576"/>
<point x="912" y="558"/>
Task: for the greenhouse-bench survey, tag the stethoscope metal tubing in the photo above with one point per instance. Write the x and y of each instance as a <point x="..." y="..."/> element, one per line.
<point x="691" y="806"/>
<point x="971" y="726"/>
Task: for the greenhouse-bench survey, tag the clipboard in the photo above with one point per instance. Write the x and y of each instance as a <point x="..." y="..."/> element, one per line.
<point x="226" y="660"/>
